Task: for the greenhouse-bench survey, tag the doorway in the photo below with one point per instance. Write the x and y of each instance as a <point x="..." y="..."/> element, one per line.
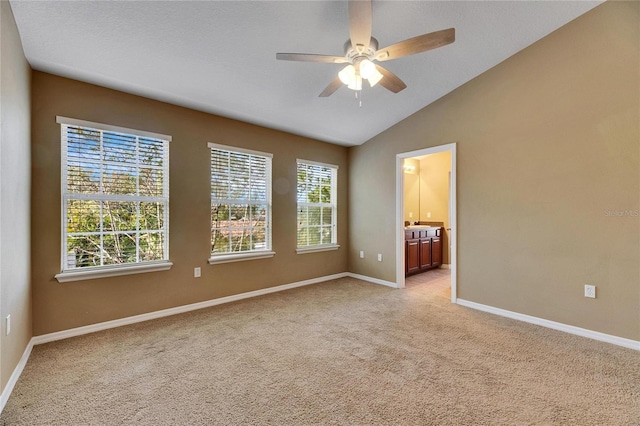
<point x="400" y="213"/>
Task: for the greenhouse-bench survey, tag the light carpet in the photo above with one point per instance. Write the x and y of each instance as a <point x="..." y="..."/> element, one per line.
<point x="343" y="352"/>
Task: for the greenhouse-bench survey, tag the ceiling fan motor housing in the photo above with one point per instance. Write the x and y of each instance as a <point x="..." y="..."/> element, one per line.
<point x="354" y="56"/>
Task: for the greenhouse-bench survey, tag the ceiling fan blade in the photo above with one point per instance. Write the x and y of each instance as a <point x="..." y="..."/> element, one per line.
<point x="360" y="21"/>
<point x="418" y="44"/>
<point x="310" y="57"/>
<point x="390" y="81"/>
<point x="332" y="87"/>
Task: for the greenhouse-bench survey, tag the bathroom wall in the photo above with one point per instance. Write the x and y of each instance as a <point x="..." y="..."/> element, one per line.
<point x="411" y="190"/>
<point x="434" y="193"/>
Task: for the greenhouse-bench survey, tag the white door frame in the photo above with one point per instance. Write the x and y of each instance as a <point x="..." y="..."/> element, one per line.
<point x="452" y="213"/>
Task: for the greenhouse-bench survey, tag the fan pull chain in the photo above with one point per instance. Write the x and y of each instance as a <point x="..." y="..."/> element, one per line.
<point x="359" y="98"/>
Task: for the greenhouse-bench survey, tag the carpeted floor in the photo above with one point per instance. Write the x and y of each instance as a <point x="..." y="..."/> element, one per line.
<point x="341" y="352"/>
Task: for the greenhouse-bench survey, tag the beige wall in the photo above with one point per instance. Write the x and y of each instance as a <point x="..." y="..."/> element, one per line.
<point x="412" y="191"/>
<point x="547" y="146"/>
<point x="62" y="306"/>
<point x="434" y="187"/>
<point x="15" y="181"/>
<point x="434" y="193"/>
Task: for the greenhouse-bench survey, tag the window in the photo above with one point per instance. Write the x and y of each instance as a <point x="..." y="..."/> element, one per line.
<point x="317" y="206"/>
<point x="240" y="204"/>
<point x="115" y="199"/>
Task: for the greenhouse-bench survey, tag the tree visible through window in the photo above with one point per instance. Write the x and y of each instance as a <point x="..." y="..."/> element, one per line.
<point x="240" y="200"/>
<point x="317" y="204"/>
<point x="115" y="195"/>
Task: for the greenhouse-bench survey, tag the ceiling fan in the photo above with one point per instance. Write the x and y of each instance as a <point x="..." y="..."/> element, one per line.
<point x="361" y="51"/>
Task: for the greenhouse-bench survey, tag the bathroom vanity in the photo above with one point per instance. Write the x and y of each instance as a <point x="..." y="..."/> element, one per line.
<point x="422" y="248"/>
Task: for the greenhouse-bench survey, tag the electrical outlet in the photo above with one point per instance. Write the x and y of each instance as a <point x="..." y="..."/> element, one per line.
<point x="361" y="254"/>
<point x="590" y="291"/>
<point x="8" y="324"/>
<point x="196" y="272"/>
<point x="428" y="215"/>
<point x="379" y="257"/>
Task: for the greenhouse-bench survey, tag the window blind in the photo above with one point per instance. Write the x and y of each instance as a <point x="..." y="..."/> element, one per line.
<point x="115" y="195"/>
<point x="240" y="200"/>
<point x="317" y="206"/>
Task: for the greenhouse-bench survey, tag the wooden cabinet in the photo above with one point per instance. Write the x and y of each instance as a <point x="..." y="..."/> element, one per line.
<point x="423" y="249"/>
<point x="425" y="253"/>
<point x="412" y="256"/>
<point x="436" y="251"/>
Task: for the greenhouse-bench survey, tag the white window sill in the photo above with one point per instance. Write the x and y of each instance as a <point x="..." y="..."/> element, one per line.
<point x="80" y="274"/>
<point x="239" y="257"/>
<point x="315" y="249"/>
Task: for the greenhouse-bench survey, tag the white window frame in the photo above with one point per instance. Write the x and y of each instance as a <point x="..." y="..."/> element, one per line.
<point x="92" y="272"/>
<point x="333" y="204"/>
<point x="267" y="252"/>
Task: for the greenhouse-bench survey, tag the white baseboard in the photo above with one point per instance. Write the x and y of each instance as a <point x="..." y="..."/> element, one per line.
<point x="596" y="335"/>
<point x="372" y="280"/>
<point x="6" y="392"/>
<point x="65" y="334"/>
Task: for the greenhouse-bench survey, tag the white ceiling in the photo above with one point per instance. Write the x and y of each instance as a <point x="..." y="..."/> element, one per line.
<point x="219" y="56"/>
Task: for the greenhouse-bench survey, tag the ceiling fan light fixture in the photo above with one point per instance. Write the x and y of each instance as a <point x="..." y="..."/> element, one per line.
<point x="375" y="77"/>
<point x="347" y="75"/>
<point x="367" y="68"/>
<point x="351" y="77"/>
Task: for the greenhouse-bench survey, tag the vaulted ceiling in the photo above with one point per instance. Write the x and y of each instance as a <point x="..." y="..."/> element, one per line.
<point x="220" y="56"/>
